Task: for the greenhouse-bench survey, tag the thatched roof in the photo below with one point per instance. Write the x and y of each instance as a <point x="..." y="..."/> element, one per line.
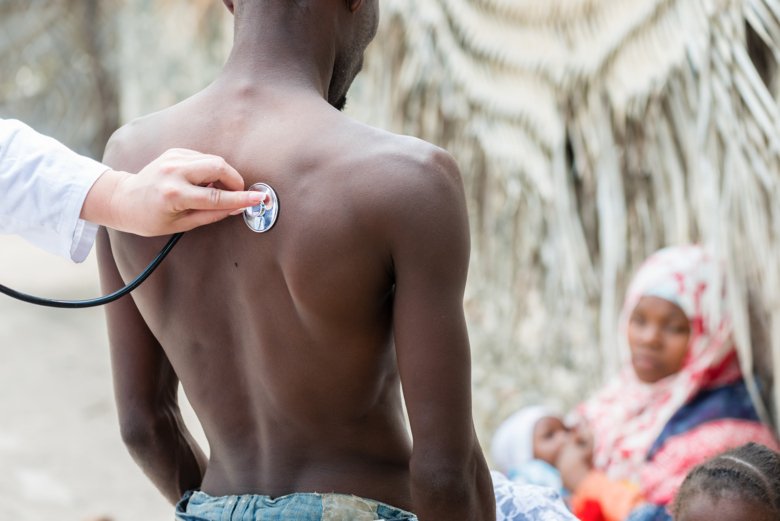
<point x="590" y="133"/>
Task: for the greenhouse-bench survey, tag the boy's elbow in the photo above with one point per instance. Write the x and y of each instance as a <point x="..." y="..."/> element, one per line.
<point x="135" y="433"/>
<point x="141" y="431"/>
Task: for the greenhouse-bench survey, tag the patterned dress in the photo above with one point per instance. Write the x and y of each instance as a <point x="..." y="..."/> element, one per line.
<point x="516" y="502"/>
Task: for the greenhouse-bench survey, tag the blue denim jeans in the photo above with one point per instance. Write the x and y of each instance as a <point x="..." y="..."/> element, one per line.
<point x="197" y="506"/>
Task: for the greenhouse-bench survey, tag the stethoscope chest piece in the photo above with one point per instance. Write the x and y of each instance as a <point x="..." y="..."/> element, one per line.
<point x="262" y="217"/>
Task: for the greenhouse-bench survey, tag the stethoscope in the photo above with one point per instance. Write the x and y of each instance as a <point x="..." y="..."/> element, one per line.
<point x="259" y="219"/>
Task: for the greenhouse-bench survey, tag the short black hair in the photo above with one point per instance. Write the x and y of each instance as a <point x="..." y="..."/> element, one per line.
<point x="750" y="472"/>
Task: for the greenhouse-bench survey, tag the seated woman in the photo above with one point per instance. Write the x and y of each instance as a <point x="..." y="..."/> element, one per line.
<point x="679" y="401"/>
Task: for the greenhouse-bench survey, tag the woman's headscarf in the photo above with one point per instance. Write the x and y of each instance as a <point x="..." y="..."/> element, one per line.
<point x="627" y="416"/>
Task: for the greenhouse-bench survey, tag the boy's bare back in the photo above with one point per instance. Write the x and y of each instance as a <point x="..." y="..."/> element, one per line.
<point x="291" y="345"/>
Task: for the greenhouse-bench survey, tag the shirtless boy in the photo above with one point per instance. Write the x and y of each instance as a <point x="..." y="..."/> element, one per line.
<point x="292" y="345"/>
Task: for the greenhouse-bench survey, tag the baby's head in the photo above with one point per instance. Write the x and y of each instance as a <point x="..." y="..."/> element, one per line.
<point x="742" y="484"/>
<point x="535" y="432"/>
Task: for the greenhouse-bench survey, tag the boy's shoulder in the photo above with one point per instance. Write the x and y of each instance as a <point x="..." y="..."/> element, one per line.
<point x="405" y="168"/>
<point x="138" y="142"/>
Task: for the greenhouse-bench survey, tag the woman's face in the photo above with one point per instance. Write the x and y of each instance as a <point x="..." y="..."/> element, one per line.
<point x="548" y="438"/>
<point x="658" y="333"/>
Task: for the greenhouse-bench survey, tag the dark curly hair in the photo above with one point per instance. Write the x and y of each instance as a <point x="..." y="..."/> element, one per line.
<point x="750" y="472"/>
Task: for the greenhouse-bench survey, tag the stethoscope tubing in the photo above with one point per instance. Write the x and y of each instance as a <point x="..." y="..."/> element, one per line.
<point x="259" y="219"/>
<point x="100" y="301"/>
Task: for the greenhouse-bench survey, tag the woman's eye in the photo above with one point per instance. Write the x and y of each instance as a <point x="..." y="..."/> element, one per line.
<point x="677" y="329"/>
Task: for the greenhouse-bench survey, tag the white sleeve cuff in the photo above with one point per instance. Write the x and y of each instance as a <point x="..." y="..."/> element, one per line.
<point x="83" y="239"/>
<point x="83" y="235"/>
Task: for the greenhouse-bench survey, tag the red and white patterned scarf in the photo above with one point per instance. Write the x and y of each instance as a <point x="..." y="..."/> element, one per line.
<point x="627" y="416"/>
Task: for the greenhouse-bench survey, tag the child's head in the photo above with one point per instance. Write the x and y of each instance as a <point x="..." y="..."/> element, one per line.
<point x="741" y="484"/>
<point x="535" y="432"/>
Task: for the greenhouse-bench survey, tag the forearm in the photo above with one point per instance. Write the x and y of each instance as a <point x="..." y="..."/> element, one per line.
<point x="452" y="490"/>
<point x="167" y="454"/>
<point x="99" y="204"/>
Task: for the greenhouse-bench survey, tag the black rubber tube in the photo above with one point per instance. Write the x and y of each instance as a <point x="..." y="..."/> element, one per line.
<point x="100" y="301"/>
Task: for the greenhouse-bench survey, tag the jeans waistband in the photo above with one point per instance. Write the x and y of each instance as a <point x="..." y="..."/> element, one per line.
<point x="198" y="506"/>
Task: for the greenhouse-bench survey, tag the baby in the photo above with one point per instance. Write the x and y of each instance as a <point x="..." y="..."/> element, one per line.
<point x="527" y="445"/>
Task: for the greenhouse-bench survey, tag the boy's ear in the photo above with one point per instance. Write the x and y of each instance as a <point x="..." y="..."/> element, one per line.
<point x="229" y="5"/>
<point x="354" y="5"/>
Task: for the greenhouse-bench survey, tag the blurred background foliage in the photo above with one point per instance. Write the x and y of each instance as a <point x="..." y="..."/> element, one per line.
<point x="589" y="132"/>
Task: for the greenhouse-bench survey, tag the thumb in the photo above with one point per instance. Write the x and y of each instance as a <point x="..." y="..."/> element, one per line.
<point x="197" y="218"/>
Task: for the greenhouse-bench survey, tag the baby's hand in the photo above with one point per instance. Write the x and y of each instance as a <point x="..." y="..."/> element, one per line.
<point x="583" y="437"/>
<point x="574" y="462"/>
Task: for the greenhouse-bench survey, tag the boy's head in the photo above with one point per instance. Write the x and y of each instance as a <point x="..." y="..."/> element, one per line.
<point x="340" y="29"/>
<point x="741" y="484"/>
<point x="535" y="432"/>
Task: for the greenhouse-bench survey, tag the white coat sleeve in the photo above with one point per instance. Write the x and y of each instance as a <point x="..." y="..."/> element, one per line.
<point x="43" y="185"/>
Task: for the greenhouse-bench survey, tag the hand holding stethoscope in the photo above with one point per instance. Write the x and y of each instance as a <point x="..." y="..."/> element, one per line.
<point x="177" y="192"/>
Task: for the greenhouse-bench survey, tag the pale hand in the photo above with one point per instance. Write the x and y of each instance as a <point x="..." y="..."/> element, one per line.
<point x="180" y="190"/>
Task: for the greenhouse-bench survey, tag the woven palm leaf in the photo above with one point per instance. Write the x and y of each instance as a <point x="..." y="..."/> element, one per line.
<point x="57" y="73"/>
<point x="590" y="133"/>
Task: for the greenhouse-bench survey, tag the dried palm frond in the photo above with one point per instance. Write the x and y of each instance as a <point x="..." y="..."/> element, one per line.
<point x="77" y="69"/>
<point x="590" y="133"/>
<point x="56" y="69"/>
<point x="169" y="50"/>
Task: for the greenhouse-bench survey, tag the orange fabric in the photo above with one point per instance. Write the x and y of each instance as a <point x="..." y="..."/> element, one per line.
<point x="616" y="498"/>
<point x="590" y="511"/>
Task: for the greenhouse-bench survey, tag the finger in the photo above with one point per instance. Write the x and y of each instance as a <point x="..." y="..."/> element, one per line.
<point x="204" y="198"/>
<point x="204" y="169"/>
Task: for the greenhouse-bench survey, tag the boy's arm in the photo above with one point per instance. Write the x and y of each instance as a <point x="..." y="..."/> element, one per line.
<point x="430" y="245"/>
<point x="145" y="389"/>
<point x="145" y="384"/>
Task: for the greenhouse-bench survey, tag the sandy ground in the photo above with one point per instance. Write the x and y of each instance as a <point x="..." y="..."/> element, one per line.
<point x="60" y="451"/>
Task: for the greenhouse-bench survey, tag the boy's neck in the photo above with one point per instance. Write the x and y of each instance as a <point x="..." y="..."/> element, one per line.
<point x="275" y="54"/>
